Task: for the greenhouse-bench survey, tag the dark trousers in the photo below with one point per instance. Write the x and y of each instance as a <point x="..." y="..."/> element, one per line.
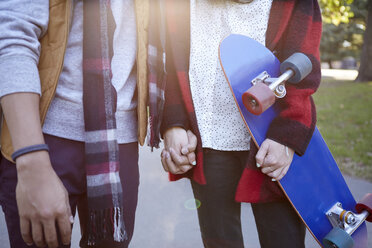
<point x="67" y="159"/>
<point x="219" y="214"/>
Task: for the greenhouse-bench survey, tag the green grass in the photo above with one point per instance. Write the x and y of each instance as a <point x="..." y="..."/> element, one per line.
<point x="344" y="110"/>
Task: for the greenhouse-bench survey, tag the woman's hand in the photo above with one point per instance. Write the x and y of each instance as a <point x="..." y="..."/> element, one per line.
<point x="178" y="155"/>
<point x="274" y="159"/>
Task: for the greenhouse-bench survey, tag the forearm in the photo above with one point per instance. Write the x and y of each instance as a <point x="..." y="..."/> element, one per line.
<point x="174" y="114"/>
<point x="21" y="112"/>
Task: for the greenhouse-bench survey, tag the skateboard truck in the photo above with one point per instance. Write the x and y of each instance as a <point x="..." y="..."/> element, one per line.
<point x="275" y="84"/>
<point x="345" y="220"/>
<point x="345" y="223"/>
<point x="265" y="88"/>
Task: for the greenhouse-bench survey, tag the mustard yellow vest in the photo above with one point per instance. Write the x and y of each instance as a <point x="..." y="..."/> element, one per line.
<point x="53" y="47"/>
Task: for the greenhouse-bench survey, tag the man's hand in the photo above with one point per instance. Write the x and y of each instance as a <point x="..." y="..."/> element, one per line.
<point x="274" y="159"/>
<point x="178" y="155"/>
<point x="42" y="201"/>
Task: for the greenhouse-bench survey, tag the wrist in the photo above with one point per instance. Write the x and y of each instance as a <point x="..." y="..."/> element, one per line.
<point x="174" y="129"/>
<point x="29" y="149"/>
<point x="33" y="161"/>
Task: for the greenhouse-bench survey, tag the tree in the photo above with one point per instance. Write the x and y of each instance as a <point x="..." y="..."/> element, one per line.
<point x="365" y="69"/>
<point x="343" y="40"/>
<point x="336" y="15"/>
<point x="345" y="22"/>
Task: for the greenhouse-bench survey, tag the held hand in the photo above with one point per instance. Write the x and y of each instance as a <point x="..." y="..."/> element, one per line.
<point x="42" y="202"/>
<point x="178" y="155"/>
<point x="274" y="159"/>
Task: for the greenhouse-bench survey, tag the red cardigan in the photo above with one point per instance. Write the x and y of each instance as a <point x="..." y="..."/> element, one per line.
<point x="294" y="26"/>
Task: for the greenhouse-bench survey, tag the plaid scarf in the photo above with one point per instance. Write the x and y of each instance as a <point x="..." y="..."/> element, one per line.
<point x="156" y="69"/>
<point x="105" y="223"/>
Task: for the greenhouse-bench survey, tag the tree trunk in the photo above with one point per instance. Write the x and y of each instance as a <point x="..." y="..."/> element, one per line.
<point x="330" y="64"/>
<point x="365" y="69"/>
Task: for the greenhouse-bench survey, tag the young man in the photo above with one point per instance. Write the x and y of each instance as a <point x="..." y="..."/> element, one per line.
<point x="199" y="108"/>
<point x="73" y="92"/>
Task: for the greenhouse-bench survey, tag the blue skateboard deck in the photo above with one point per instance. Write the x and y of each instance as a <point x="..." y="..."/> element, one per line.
<point x="314" y="182"/>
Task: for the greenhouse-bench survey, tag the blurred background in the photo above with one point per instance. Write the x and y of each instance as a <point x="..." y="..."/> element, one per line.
<point x="345" y="95"/>
<point x="347" y="36"/>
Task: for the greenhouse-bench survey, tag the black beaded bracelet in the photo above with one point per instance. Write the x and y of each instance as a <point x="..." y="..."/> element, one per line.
<point x="29" y="149"/>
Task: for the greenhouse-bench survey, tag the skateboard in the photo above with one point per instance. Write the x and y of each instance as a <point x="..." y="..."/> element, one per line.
<point x="313" y="184"/>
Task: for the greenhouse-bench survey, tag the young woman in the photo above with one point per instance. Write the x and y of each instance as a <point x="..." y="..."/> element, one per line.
<point x="202" y="122"/>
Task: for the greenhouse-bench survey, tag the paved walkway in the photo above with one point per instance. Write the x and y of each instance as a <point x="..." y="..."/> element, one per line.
<point x="340" y="74"/>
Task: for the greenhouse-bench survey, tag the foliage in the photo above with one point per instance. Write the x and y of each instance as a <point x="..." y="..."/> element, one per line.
<point x="345" y="121"/>
<point x="341" y="41"/>
<point x="343" y="28"/>
<point x="336" y="11"/>
<point x="360" y="10"/>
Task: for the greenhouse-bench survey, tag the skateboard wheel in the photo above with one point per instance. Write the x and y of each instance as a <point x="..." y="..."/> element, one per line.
<point x="258" y="98"/>
<point x="300" y="64"/>
<point x="338" y="238"/>
<point x="365" y="205"/>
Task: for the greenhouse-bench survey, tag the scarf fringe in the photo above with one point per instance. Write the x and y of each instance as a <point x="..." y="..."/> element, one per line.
<point x="119" y="228"/>
<point x="104" y="225"/>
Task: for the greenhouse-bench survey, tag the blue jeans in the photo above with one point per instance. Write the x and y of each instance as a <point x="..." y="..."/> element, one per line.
<point x="67" y="159"/>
